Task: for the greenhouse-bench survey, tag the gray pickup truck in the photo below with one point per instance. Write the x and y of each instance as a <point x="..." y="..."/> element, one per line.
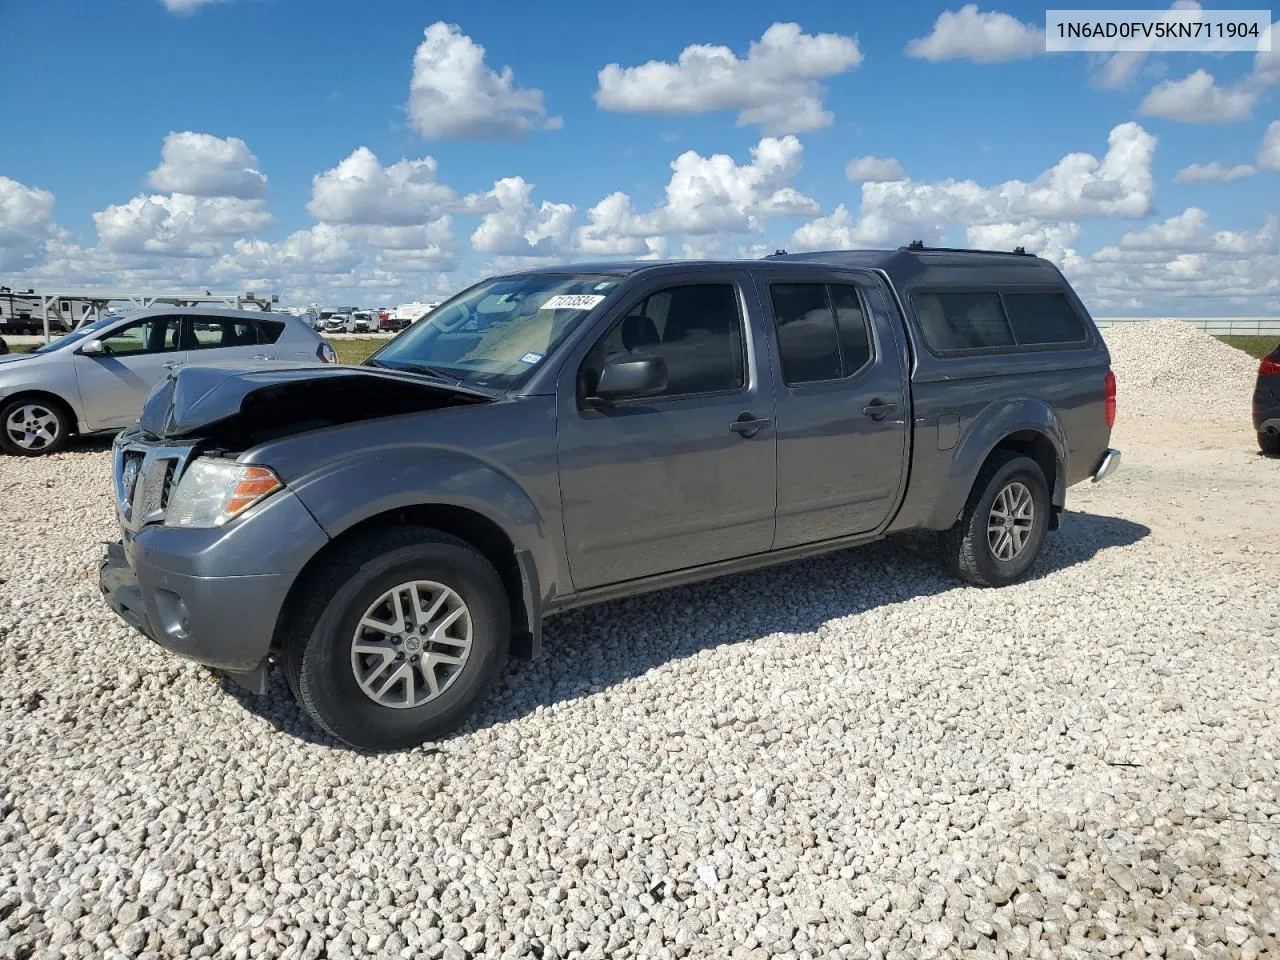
<point x="389" y="533"/>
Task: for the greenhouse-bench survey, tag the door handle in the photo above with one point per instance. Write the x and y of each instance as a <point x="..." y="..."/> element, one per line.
<point x="747" y="425"/>
<point x="262" y="356"/>
<point x="878" y="409"/>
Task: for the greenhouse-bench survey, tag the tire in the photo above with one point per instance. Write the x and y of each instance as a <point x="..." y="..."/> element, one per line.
<point x="19" y="420"/>
<point x="967" y="547"/>
<point x="1269" y="443"/>
<point x="319" y="657"/>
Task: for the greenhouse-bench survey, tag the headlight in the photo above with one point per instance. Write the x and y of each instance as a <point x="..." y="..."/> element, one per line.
<point x="214" y="491"/>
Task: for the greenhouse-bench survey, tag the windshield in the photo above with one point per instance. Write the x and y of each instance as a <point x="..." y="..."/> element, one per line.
<point x="75" y="336"/>
<point x="496" y="333"/>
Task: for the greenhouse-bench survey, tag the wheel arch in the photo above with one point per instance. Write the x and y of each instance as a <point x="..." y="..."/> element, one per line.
<point x="1023" y="425"/>
<point x="41" y="395"/>
<point x="515" y="567"/>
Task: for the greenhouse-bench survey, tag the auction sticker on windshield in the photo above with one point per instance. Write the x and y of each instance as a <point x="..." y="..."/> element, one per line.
<point x="573" y="301"/>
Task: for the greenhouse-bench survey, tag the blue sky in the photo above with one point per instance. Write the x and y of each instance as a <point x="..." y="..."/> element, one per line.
<point x="259" y="97"/>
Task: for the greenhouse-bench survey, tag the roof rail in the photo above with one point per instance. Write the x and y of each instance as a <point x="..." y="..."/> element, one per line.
<point x="917" y="246"/>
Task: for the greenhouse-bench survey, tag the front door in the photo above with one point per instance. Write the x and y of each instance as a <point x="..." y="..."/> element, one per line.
<point x="841" y="407"/>
<point x="684" y="478"/>
<point x="136" y="356"/>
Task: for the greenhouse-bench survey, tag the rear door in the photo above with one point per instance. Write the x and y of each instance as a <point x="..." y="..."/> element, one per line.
<point x="681" y="479"/>
<point x="842" y="403"/>
<point x="136" y="356"/>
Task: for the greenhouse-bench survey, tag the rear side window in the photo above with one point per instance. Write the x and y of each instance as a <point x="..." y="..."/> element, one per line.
<point x="214" y="334"/>
<point x="962" y="321"/>
<point x="1039" y="318"/>
<point x="822" y="331"/>
<point x="807" y="341"/>
<point x="269" y="331"/>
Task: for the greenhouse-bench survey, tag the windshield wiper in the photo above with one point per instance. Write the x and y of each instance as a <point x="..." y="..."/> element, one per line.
<point x="435" y="373"/>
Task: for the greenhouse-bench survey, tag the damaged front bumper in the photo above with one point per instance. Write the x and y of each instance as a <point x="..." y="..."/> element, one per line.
<point x="223" y="622"/>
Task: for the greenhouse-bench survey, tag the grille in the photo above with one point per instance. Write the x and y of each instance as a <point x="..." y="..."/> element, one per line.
<point x="130" y="473"/>
<point x="152" y="493"/>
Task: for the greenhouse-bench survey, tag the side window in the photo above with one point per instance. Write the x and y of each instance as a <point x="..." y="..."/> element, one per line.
<point x="855" y="336"/>
<point x="269" y="330"/>
<point x="153" y="335"/>
<point x="807" y="341"/>
<point x="962" y="321"/>
<point x="212" y="334"/>
<point x="1039" y="318"/>
<point x="695" y="329"/>
<point x="822" y="331"/>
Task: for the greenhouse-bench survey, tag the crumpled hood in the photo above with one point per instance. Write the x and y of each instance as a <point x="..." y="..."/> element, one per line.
<point x="288" y="397"/>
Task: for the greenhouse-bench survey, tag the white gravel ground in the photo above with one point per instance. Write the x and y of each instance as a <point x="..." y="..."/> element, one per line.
<point x="845" y="757"/>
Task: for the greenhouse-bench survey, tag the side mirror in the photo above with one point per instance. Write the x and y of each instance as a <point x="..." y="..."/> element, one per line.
<point x="628" y="378"/>
<point x="93" y="348"/>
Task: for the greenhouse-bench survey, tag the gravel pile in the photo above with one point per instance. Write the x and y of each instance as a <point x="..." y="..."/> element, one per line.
<point x="845" y="757"/>
<point x="1171" y="370"/>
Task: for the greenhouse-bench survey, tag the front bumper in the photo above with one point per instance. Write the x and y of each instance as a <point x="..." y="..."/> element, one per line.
<point x="223" y="622"/>
<point x="1107" y="465"/>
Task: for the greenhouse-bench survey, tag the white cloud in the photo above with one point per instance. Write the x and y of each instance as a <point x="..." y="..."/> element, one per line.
<point x="967" y="34"/>
<point x="775" y="86"/>
<point x="1197" y="98"/>
<point x="1181" y="262"/>
<point x="1119" y="68"/>
<point x="177" y="224"/>
<point x="1214" y="172"/>
<point x="1188" y="233"/>
<point x="705" y="195"/>
<point x="1079" y="186"/>
<point x="612" y="229"/>
<point x="453" y="94"/>
<point x="26" y="224"/>
<point x="203" y="165"/>
<point x="1052" y="240"/>
<point x="872" y="169"/>
<point x="359" y="190"/>
<point x="514" y="227"/>
<point x="321" y="249"/>
<point x="1266" y="63"/>
<point x="1269" y="151"/>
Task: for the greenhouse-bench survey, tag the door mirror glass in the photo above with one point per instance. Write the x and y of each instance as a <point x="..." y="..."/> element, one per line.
<point x="631" y="377"/>
<point x="93" y="348"/>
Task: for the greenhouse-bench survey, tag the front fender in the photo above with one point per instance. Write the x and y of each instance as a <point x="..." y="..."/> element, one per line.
<point x="355" y="489"/>
<point x="983" y="434"/>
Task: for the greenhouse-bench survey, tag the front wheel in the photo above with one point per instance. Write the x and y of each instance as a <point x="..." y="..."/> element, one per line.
<point x="33" y="427"/>
<point x="403" y="635"/>
<point x="1269" y="443"/>
<point x="1002" y="528"/>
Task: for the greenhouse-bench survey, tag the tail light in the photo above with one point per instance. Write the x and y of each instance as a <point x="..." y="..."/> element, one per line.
<point x="1269" y="367"/>
<point x="1111" y="399"/>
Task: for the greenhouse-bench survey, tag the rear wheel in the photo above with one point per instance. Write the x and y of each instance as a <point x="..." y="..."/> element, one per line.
<point x="403" y="634"/>
<point x="32" y="427"/>
<point x="1002" y="528"/>
<point x="1269" y="443"/>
